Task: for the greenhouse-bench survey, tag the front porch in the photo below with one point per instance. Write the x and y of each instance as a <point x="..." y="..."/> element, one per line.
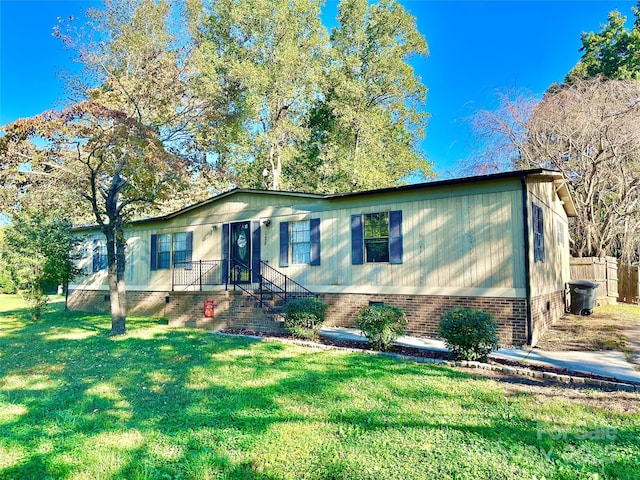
<point x="269" y="287"/>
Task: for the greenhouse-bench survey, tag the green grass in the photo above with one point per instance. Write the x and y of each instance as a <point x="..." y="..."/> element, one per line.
<point x="162" y="403"/>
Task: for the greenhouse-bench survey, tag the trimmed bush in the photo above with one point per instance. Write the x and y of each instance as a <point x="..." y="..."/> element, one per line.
<point x="469" y="334"/>
<point x="382" y="324"/>
<point x="303" y="318"/>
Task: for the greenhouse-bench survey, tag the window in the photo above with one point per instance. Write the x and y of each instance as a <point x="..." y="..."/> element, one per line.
<point x="560" y="232"/>
<point x="376" y="237"/>
<point x="164" y="251"/>
<point x="166" y="247"/>
<point x="180" y="248"/>
<point x="99" y="255"/>
<point x="301" y="242"/>
<point x="538" y="233"/>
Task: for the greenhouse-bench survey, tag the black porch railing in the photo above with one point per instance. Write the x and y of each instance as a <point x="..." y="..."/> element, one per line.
<point x="271" y="284"/>
<point x="200" y="273"/>
<point x="281" y="286"/>
<point x="272" y="288"/>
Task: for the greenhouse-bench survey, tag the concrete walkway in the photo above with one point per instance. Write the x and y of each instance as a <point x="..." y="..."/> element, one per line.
<point x="609" y="364"/>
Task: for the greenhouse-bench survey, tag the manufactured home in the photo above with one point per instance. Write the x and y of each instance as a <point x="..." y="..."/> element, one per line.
<point x="497" y="242"/>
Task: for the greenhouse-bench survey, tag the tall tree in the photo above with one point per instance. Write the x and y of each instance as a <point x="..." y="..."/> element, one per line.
<point x="116" y="149"/>
<point x="137" y="59"/>
<point x="273" y="51"/>
<point x="612" y="53"/>
<point x="590" y="131"/>
<point x="113" y="163"/>
<point x="370" y="120"/>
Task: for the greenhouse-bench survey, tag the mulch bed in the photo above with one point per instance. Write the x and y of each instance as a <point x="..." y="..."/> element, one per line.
<point x="424" y="353"/>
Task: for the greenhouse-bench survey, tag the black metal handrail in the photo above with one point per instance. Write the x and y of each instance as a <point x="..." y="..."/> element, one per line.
<point x="280" y="285"/>
<point x="200" y="273"/>
<point x="280" y="288"/>
<point x="270" y="281"/>
<point x="241" y="276"/>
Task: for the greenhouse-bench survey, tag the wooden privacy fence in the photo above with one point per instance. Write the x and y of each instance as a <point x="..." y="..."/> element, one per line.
<point x="628" y="286"/>
<point x="602" y="270"/>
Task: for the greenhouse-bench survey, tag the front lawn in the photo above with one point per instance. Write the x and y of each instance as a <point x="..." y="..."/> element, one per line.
<point x="162" y="403"/>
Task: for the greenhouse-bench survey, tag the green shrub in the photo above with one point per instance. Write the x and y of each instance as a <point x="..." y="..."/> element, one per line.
<point x="469" y="334"/>
<point x="6" y="285"/>
<point x="382" y="324"/>
<point x="303" y="318"/>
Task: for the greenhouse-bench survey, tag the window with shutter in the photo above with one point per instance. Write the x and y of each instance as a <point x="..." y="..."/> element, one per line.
<point x="376" y="237"/>
<point x="166" y="247"/>
<point x="300" y="242"/>
<point x="538" y="233"/>
<point x="99" y="260"/>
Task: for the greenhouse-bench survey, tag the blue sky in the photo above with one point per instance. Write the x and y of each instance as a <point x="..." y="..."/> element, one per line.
<point x="476" y="48"/>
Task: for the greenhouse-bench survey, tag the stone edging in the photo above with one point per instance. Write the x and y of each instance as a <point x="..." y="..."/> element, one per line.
<point x="520" y="371"/>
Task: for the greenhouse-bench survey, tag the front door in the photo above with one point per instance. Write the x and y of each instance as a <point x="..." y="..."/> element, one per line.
<point x="240" y="252"/>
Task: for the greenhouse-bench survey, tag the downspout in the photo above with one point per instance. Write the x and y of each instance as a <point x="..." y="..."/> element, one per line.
<point x="527" y="258"/>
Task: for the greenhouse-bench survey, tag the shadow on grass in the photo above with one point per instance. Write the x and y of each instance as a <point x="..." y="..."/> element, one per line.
<point x="161" y="403"/>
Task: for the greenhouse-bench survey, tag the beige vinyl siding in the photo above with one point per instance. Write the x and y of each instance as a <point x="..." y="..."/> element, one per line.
<point x="452" y="241"/>
<point x="458" y="239"/>
<point x="548" y="276"/>
<point x="88" y="278"/>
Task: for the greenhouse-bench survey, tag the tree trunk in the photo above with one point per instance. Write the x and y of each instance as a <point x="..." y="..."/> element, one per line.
<point x="116" y="287"/>
<point x="120" y="327"/>
<point x="275" y="171"/>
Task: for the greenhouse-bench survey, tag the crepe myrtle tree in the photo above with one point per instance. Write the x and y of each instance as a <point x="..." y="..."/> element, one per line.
<point x="112" y="163"/>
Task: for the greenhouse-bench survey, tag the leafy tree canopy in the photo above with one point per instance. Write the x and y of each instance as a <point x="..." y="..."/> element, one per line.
<point x="367" y="125"/>
<point x="317" y="113"/>
<point x="35" y="255"/>
<point x="612" y="53"/>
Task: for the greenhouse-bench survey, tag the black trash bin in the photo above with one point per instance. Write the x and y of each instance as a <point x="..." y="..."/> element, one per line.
<point x="583" y="296"/>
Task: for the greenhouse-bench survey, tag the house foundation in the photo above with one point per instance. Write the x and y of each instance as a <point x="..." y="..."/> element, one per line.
<point x="424" y="312"/>
<point x="236" y="311"/>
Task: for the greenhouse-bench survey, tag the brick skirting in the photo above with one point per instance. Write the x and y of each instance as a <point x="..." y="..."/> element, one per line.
<point x="545" y="310"/>
<point x="233" y="310"/>
<point x="424" y="311"/>
<point x="184" y="309"/>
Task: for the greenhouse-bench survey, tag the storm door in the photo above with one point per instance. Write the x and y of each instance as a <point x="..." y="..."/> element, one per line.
<point x="240" y="252"/>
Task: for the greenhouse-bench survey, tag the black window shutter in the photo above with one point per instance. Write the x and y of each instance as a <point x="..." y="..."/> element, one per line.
<point x="538" y="233"/>
<point x="534" y="223"/>
<point x="96" y="256"/>
<point x="284" y="244"/>
<point x="541" y="230"/>
<point x="225" y="248"/>
<point x="357" y="251"/>
<point x="255" y="251"/>
<point x="315" y="241"/>
<point x="154" y="252"/>
<point x="395" y="236"/>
